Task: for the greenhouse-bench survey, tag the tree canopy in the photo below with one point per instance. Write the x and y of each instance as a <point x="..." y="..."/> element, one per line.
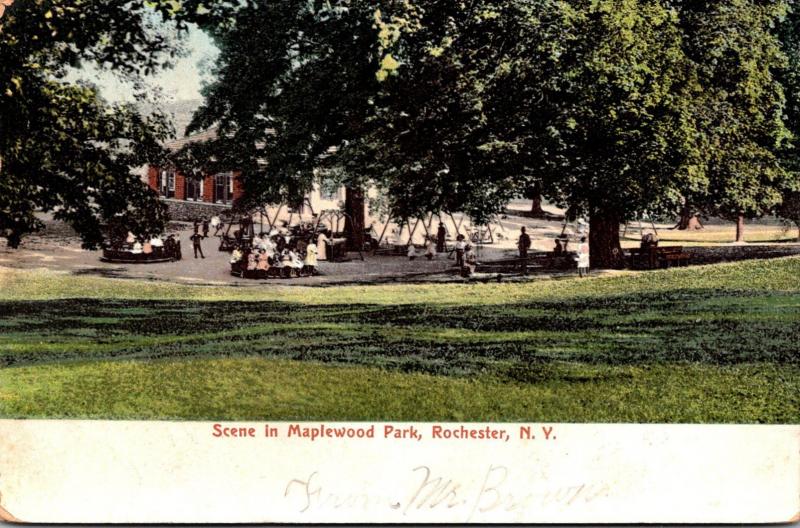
<point x="611" y="108"/>
<point x="62" y="147"/>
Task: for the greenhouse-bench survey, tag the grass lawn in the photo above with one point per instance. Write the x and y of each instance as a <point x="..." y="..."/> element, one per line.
<point x="706" y="344"/>
<point x="714" y="235"/>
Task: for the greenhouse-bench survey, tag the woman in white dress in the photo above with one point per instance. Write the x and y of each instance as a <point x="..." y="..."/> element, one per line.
<point x="430" y="249"/>
<point x="322" y="248"/>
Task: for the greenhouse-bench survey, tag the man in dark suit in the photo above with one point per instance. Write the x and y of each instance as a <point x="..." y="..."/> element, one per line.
<point x="441" y="235"/>
<point x="196" y="239"/>
<point x="524" y="244"/>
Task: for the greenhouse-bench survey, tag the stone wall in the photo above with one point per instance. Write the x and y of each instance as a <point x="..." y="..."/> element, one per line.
<point x="183" y="211"/>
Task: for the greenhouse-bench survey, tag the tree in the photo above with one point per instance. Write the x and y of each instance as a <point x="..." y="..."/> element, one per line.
<point x="622" y="125"/>
<point x="294" y="79"/>
<point x="739" y="112"/>
<point x="789" y="210"/>
<point x="455" y="108"/>
<point x="62" y="148"/>
<point x="614" y="107"/>
<point x="788" y="32"/>
<point x="396" y="88"/>
<point x="642" y="105"/>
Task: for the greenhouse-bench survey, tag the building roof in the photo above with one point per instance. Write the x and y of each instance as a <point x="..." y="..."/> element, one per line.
<point x="199" y="137"/>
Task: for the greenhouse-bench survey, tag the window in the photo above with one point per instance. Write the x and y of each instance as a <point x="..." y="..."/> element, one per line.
<point x="329" y="190"/>
<point x="223" y="188"/>
<point x="166" y="183"/>
<point x="194" y="189"/>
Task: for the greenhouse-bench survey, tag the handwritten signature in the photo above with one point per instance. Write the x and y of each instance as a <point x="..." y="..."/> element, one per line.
<point x="493" y="491"/>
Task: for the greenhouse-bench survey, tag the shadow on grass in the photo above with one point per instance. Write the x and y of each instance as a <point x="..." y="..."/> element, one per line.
<point x="516" y="341"/>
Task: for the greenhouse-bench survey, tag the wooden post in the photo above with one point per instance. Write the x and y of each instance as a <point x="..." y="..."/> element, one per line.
<point x="385" y="227"/>
<point x="740" y="228"/>
<point x="411" y="232"/>
<point x="275" y="220"/>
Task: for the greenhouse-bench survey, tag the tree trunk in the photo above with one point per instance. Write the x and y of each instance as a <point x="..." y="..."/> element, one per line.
<point x="688" y="220"/>
<point x="686" y="217"/>
<point x="694" y="224"/>
<point x="354" y="221"/>
<point x="536" y="206"/>
<point x="740" y="229"/>
<point x="604" y="248"/>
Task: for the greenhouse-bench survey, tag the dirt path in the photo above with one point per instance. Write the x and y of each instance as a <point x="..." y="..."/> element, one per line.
<point x="58" y="248"/>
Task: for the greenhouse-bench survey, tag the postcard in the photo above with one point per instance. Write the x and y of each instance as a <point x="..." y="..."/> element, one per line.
<point x="339" y="261"/>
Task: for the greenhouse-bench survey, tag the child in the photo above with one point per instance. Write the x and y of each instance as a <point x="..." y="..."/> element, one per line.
<point x="583" y="258"/>
<point x="412" y="251"/>
<point x="263" y="261"/>
<point x="277" y="263"/>
<point x="236" y="255"/>
<point x="430" y="251"/>
<point x="286" y="263"/>
<point x="461" y="246"/>
<point x="311" y="260"/>
<point x="295" y="262"/>
<point x="471" y="259"/>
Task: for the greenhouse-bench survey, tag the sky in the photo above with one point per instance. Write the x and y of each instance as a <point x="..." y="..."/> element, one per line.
<point x="182" y="83"/>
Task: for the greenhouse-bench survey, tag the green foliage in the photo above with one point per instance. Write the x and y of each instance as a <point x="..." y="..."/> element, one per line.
<point x="447" y="134"/>
<point x="611" y="107"/>
<point x="62" y="148"/>
<point x="622" y="110"/>
<point x="789" y="33"/>
<point x="294" y="78"/>
<point x="740" y="112"/>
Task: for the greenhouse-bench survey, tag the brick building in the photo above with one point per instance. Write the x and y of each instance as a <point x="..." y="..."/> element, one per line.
<point x="190" y="198"/>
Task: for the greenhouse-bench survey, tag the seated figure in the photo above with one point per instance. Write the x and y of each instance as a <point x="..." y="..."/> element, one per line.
<point x="252" y="261"/>
<point x="648" y="241"/>
<point x="263" y="261"/>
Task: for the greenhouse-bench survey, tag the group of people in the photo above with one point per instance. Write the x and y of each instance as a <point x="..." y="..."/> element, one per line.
<point x="278" y="254"/>
<point x="154" y="248"/>
<point x="465" y="256"/>
<point x="261" y="264"/>
<point x="581" y="256"/>
<point x="282" y="252"/>
<point x="430" y="249"/>
<point x="202" y="226"/>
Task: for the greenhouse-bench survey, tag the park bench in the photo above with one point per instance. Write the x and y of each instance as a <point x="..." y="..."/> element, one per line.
<point x="126" y="256"/>
<point x="654" y="257"/>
